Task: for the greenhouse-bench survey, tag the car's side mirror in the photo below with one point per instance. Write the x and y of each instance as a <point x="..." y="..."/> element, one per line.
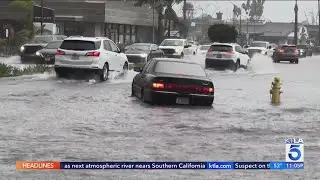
<point x="245" y="46"/>
<point x="269" y="47"/>
<point x="137" y="69"/>
<point x="187" y="46"/>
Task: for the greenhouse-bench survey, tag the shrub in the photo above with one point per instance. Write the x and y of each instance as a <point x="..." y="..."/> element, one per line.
<point x="8" y="71"/>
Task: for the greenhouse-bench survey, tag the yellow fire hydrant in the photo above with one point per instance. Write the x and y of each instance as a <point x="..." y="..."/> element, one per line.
<point x="275" y="91"/>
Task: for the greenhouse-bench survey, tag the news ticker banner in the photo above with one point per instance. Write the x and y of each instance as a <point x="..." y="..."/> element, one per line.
<point x="46" y="165"/>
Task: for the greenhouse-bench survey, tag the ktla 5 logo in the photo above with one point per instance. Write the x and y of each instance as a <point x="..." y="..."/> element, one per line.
<point x="294" y="150"/>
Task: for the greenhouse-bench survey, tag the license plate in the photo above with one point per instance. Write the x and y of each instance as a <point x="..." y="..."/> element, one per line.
<point x="219" y="55"/>
<point x="182" y="100"/>
<point x="47" y="59"/>
<point x="75" y="57"/>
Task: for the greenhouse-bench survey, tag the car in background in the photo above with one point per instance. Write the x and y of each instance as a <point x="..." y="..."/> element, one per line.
<point x="304" y="50"/>
<point x="286" y="53"/>
<point x="28" y="51"/>
<point x="174" y="48"/>
<point x="99" y="55"/>
<point x="47" y="54"/>
<point x="226" y="55"/>
<point x="259" y="47"/>
<point x="193" y="47"/>
<point x="164" y="80"/>
<point x="140" y="53"/>
<point x="203" y="49"/>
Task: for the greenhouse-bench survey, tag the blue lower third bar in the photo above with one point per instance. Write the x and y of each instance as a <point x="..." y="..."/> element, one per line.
<point x="286" y="165"/>
<point x="220" y="165"/>
<point x="251" y="165"/>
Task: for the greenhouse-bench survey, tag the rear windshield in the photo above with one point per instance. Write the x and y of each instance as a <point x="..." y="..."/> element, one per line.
<point x="179" y="68"/>
<point x="53" y="45"/>
<point x="204" y="47"/>
<point x="80" y="45"/>
<point x="288" y="47"/>
<point x="221" y="48"/>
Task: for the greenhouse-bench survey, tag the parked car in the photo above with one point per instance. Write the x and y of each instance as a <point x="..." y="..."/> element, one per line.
<point x="304" y="50"/>
<point x="164" y="80"/>
<point x="28" y="51"/>
<point x="95" y="54"/>
<point x="47" y="54"/>
<point x="174" y="48"/>
<point x="286" y="53"/>
<point x="140" y="53"/>
<point x="226" y="55"/>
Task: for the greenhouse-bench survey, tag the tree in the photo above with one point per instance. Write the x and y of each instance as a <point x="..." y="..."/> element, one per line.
<point x="222" y="33"/>
<point x="254" y="8"/>
<point x="160" y="6"/>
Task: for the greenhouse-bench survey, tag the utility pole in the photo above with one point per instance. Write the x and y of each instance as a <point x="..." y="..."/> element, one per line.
<point x="247" y="36"/>
<point x="319" y="22"/>
<point x="153" y="34"/>
<point x="296" y="23"/>
<point x="41" y="25"/>
<point x="185" y="17"/>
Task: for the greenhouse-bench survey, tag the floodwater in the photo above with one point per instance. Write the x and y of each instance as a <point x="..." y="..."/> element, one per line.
<point x="45" y="118"/>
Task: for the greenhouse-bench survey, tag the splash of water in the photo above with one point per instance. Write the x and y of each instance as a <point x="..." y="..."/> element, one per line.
<point x="261" y="64"/>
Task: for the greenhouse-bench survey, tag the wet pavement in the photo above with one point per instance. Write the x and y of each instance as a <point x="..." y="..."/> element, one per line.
<point x="45" y="118"/>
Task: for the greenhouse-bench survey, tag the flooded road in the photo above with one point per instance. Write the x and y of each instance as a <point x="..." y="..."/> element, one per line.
<point x="44" y="118"/>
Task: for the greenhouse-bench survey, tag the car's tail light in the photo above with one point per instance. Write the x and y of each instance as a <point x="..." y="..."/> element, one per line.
<point x="296" y="52"/>
<point x="158" y="85"/>
<point x="230" y="52"/>
<point x="94" y="53"/>
<point x="59" y="52"/>
<point x="207" y="90"/>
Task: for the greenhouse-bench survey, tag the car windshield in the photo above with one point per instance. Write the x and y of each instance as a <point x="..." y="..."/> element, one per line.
<point x="205" y="48"/>
<point x="138" y="47"/>
<point x="221" y="48"/>
<point x="258" y="44"/>
<point x="80" y="45"/>
<point x="53" y="45"/>
<point x="172" y="43"/>
<point x="187" y="69"/>
<point x="41" y="39"/>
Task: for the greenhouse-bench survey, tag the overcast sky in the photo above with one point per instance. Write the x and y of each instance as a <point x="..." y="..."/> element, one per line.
<point x="274" y="10"/>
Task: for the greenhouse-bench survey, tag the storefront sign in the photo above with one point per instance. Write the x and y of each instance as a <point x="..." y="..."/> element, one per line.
<point x="48" y="14"/>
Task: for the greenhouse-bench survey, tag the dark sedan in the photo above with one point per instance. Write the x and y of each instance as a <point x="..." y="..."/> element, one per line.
<point x="28" y="51"/>
<point x="164" y="80"/>
<point x="304" y="50"/>
<point x="140" y="53"/>
<point x="47" y="54"/>
<point x="286" y="53"/>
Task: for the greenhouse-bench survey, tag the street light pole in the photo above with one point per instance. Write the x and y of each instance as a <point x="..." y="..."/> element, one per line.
<point x="41" y="24"/>
<point x="319" y="22"/>
<point x="153" y="34"/>
<point x="296" y="23"/>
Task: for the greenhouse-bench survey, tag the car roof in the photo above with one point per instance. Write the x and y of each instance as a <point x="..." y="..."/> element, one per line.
<point x="174" y="60"/>
<point x="141" y="44"/>
<point x="176" y="39"/>
<point x="225" y="44"/>
<point x="87" y="38"/>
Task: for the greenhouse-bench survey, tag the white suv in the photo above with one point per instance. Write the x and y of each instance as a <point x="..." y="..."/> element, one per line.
<point x="226" y="55"/>
<point x="174" y="48"/>
<point x="98" y="54"/>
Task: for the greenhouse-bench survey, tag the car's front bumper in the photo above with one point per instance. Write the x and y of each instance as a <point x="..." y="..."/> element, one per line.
<point x="170" y="97"/>
<point x="217" y="63"/>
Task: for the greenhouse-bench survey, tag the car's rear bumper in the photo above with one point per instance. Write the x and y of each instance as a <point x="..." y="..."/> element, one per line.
<point x="75" y="70"/>
<point x="170" y="97"/>
<point x="287" y="58"/>
<point x="217" y="63"/>
<point x="68" y="65"/>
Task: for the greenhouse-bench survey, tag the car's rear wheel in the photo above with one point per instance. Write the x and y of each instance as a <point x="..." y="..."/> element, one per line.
<point x="236" y="65"/>
<point x="207" y="102"/>
<point x="125" y="67"/>
<point x="60" y="73"/>
<point x="182" y="56"/>
<point x="292" y="61"/>
<point x="104" y="72"/>
<point x="296" y="61"/>
<point x="132" y="91"/>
